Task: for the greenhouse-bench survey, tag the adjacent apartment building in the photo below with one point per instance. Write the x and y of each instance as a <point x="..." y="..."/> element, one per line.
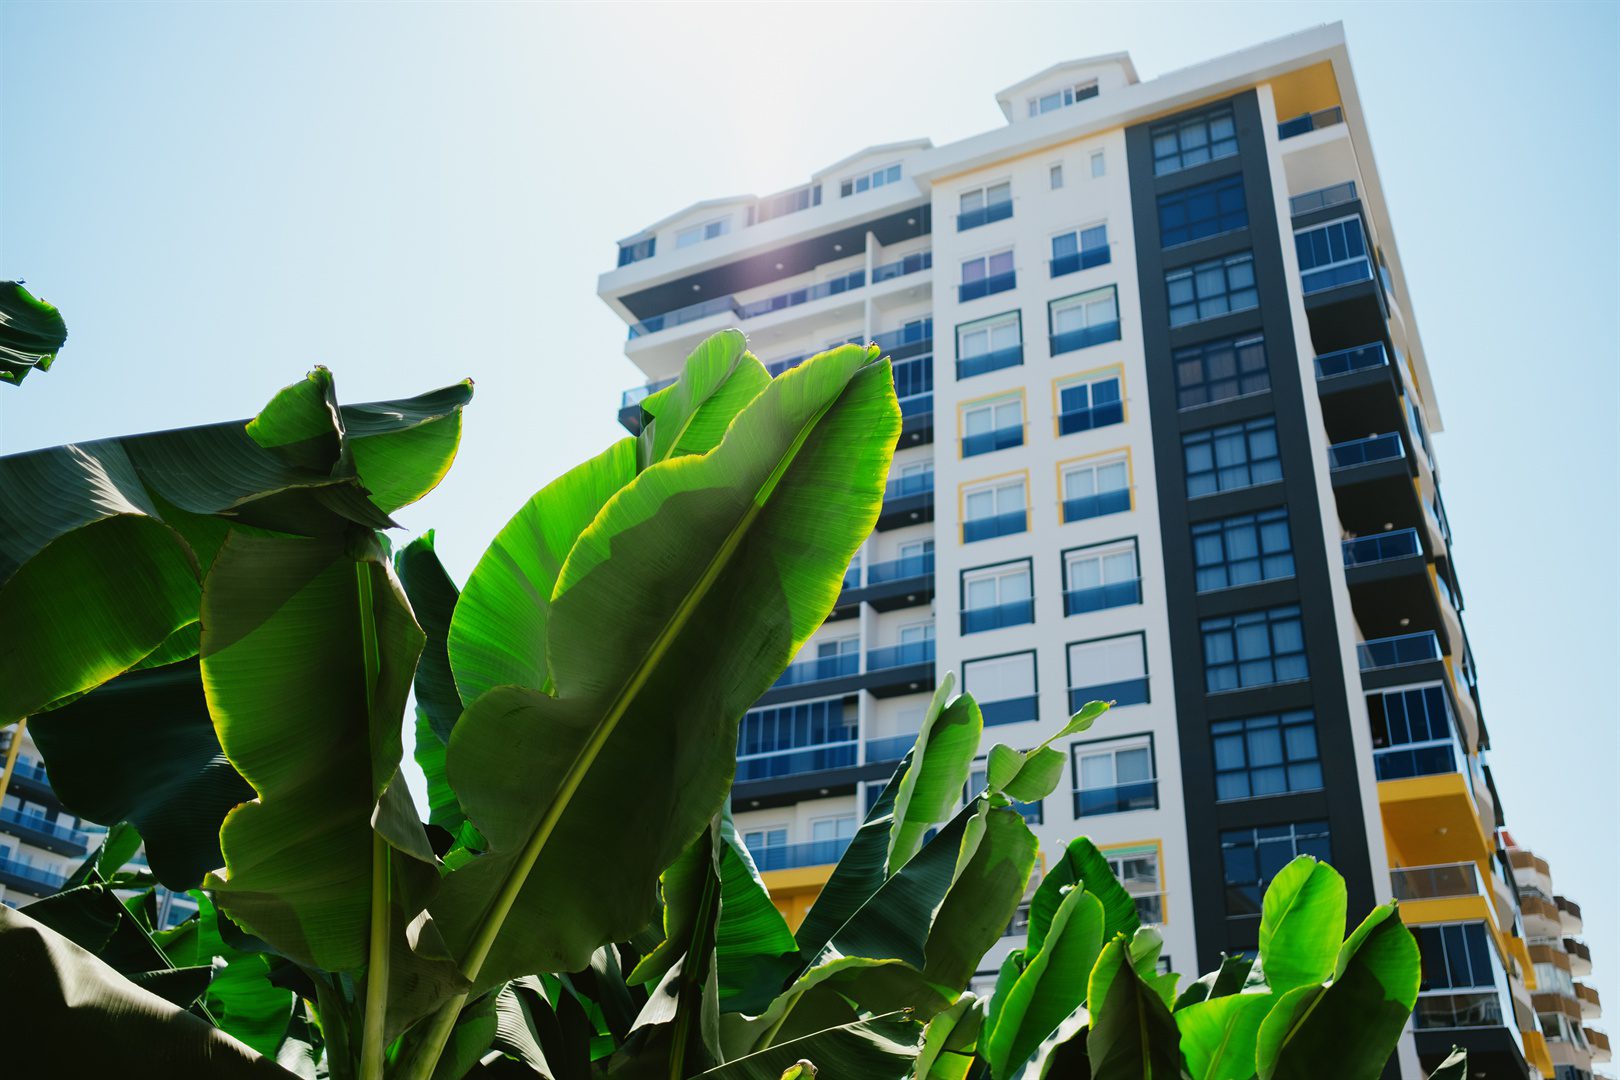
<point x="1168" y="441"/>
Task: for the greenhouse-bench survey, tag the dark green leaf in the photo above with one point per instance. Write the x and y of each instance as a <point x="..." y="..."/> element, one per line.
<point x="1133" y="1036"/>
<point x="993" y="870"/>
<point x="1052" y="984"/>
<point x="882" y="1048"/>
<point x="31" y="333"/>
<point x="1083" y="864"/>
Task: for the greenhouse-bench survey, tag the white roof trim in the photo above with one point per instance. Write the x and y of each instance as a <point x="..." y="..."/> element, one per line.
<point x="1006" y="98"/>
<point x="872" y="151"/>
<point x="706" y="204"/>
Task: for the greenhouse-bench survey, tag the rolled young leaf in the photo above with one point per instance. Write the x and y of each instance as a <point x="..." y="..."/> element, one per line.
<point x="934" y="775"/>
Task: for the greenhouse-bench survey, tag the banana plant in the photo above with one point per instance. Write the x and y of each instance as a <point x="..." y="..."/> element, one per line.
<point x="31" y="333"/>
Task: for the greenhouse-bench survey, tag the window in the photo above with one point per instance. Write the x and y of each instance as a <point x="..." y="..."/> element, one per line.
<point x="998" y="509"/>
<point x="1108" y="669"/>
<point x="1252" y="857"/>
<point x="1266" y="755"/>
<point x="1202" y="210"/>
<point x="997" y="596"/>
<point x="1080" y="249"/>
<point x="1256" y="648"/>
<point x="1207" y="289"/>
<point x="1055" y="176"/>
<point x="854" y="185"/>
<point x="995" y="425"/>
<point x="1194" y="140"/>
<point x="1091" y="402"/>
<point x="825" y="830"/>
<point x="1412" y="733"/>
<point x="1101" y="576"/>
<point x="706" y="231"/>
<point x="1242" y="550"/>
<point x="1332" y="254"/>
<point x="1137" y="869"/>
<point x="1058" y="99"/>
<point x="1096" y="487"/>
<point x="1004" y="687"/>
<point x="760" y="839"/>
<point x="989" y="345"/>
<point x="1115" y="777"/>
<point x="980" y="206"/>
<point x="637" y="250"/>
<point x="1456" y="956"/>
<point x="1230" y="457"/>
<point x="1079" y="322"/>
<point x="789" y="202"/>
<point x="987" y="274"/>
<point x="784" y="740"/>
<point x="1220" y="370"/>
<point x="1099" y="165"/>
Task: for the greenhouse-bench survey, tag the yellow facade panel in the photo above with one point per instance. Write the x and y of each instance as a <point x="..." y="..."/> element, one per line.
<point x="1305" y="90"/>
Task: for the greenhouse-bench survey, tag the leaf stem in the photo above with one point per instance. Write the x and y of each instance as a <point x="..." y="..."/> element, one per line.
<point x="374" y="1040"/>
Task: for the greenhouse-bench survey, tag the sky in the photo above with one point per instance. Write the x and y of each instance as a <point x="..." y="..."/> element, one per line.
<point x="220" y="196"/>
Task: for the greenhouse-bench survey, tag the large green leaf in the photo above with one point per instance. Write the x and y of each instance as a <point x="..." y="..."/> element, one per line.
<point x="1347" y="1029"/>
<point x="31" y="332"/>
<point x="83" y="1018"/>
<point x="241" y="998"/>
<point x="1052" y="984"/>
<point x="937" y="770"/>
<point x="951" y="1040"/>
<point x="1235" y="974"/>
<point x="1081" y="864"/>
<point x="1301" y="924"/>
<point x="882" y="1048"/>
<point x="838" y="991"/>
<point x="691" y="416"/>
<point x="1133" y="1036"/>
<point x="735" y="554"/>
<point x="754" y="949"/>
<point x="992" y="872"/>
<point x="1218" y="1035"/>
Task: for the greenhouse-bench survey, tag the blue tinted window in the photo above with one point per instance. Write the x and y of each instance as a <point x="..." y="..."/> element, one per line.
<point x="1194" y="140"/>
<point x="1242" y="550"/>
<point x="1218" y="370"/>
<point x="1209" y="289"/>
<point x="1266" y="755"/>
<point x="1255" y="648"/>
<point x="1233" y="456"/>
<point x="1202" y="210"/>
<point x="1250" y="858"/>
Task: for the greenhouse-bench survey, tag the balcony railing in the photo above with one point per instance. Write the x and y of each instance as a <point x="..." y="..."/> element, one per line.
<point x="795" y="761"/>
<point x="843" y="283"/>
<point x="1104" y="502"/>
<point x="1098" y="597"/>
<point x="1095" y="416"/>
<point x="901" y="569"/>
<point x="985" y="528"/>
<point x="637" y="394"/>
<point x="1322" y="198"/>
<point x="986" y="362"/>
<point x="986" y="286"/>
<point x="1344" y="361"/>
<point x="889" y="748"/>
<point x="908" y="340"/>
<point x="1435" y="882"/>
<point x="1381" y="547"/>
<point x="984" y="215"/>
<point x="903" y="655"/>
<point x="1380" y="653"/>
<point x="1141" y="795"/>
<point x="914" y="263"/>
<point x="1009" y="710"/>
<point x="1474" y="1009"/>
<point x="819" y="669"/>
<point x="1331" y="277"/>
<point x="1365" y="451"/>
<point x="1124" y="692"/>
<point x="29" y="872"/>
<point x="1012" y="613"/>
<point x="1085" y="337"/>
<point x="1000" y="439"/>
<point x="40" y="824"/>
<point x="1081" y="260"/>
<point x="794" y="856"/>
<point x="690" y="313"/>
<point x="1312" y="121"/>
<point x="902" y="487"/>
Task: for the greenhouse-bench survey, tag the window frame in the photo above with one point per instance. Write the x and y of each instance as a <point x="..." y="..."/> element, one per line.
<point x="1093" y="462"/>
<point x="1324" y="832"/>
<point x="703" y="228"/>
<point x="1241" y="346"/>
<point x="994" y="484"/>
<point x="1194" y="272"/>
<point x="1106" y="373"/>
<point x="986" y="707"/>
<point x="1099" y="164"/>
<point x="1222" y="528"/>
<point x="1068" y="665"/>
<point x="1284" y="719"/>
<point x="1273" y="616"/>
<point x="1092" y="333"/>
<point x="968" y="575"/>
<point x="1135" y="850"/>
<point x="1182" y="196"/>
<point x="1204" y="118"/>
<point x="966" y="408"/>
<point x="1102" y="549"/>
<point x="1208" y="436"/>
<point x="851" y="185"/>
<point x="1137" y="740"/>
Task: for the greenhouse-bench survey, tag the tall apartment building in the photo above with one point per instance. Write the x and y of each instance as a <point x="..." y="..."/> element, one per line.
<point x="1168" y="441"/>
<point x="1565" y="1007"/>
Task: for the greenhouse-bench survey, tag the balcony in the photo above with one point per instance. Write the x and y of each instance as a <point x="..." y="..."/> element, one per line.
<point x="908" y="341"/>
<point x="1098" y="597"/>
<point x="820" y="669"/>
<point x="987" y="528"/>
<point x="1322" y="198"/>
<point x="986" y="286"/>
<point x="1094" y="416"/>
<point x="36" y="881"/>
<point x="984" y="215"/>
<point x="1081" y="260"/>
<point x="1346" y="361"/>
<point x="999" y="616"/>
<point x="1580" y="957"/>
<point x="796" y="761"/>
<point x="1366" y="451"/>
<point x="1099" y="505"/>
<point x="907" y="500"/>
<point x="1599" y="1044"/>
<point x="889" y="749"/>
<point x="1446" y="881"/>
<point x="1009" y="711"/>
<point x="895" y="584"/>
<point x="35" y="829"/>
<point x="1591" y="1003"/>
<point x="1122" y="693"/>
<point x="682" y="315"/>
<point x="900" y="669"/>
<point x="984" y="363"/>
<point x="28" y="779"/>
<point x="1381" y="653"/>
<point x="1085" y="337"/>
<point x="1472" y="1009"/>
<point x="843" y="283"/>
<point x="985" y="442"/>
<point x="796" y="856"/>
<point x="914" y="263"/>
<point x="1540" y="916"/>
<point x="1311" y="121"/>
<point x="1140" y="795"/>
<point x="1569" y="913"/>
<point x="909" y="568"/>
<point x="1381" y="548"/>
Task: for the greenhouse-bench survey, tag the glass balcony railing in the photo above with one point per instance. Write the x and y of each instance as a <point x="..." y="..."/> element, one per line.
<point x="984" y="215"/>
<point x="1089" y="506"/>
<point x="984" y="442"/>
<point x="1085" y="337"/>
<point x="794" y="856"/>
<point x="986" y="286"/>
<point x="852" y="578"/>
<point x="1389" y="652"/>
<point x="1140" y="795"/>
<point x="637" y="394"/>
<point x="820" y="669"/>
<point x="1435" y="882"/>
<point x="29" y="769"/>
<point x="1098" y="597"/>
<point x="1080" y="260"/>
<point x="902" y="569"/>
<point x="40" y="824"/>
<point x="855" y="279"/>
<point x="788" y="363"/>
<point x="1009" y="710"/>
<point x="889" y="748"/>
<point x="1331" y="277"/>
<point x="903" y="655"/>
<point x="1312" y="121"/>
<point x="1322" y="198"/>
<point x="986" y="362"/>
<point x="1096" y="416"/>
<point x="1344" y="361"/>
<point x="914" y="263"/>
<point x="908" y="340"/>
<point x="1474" y="1009"/>
<point x="1124" y="692"/>
<point x="920" y="483"/>
<point x="917" y="405"/>
<point x="913" y="377"/>
<point x="795" y="761"/>
<point x="1365" y="451"/>
<point x="1012" y="613"/>
<point x="682" y="315"/>
<point x="985" y="528"/>
<point x="1381" y="547"/>
<point x="29" y="872"/>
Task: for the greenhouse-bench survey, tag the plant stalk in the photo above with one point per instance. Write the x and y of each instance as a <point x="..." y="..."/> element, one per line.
<point x="373" y="1042"/>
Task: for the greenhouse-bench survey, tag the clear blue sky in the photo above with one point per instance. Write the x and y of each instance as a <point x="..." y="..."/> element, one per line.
<point x="220" y="196"/>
